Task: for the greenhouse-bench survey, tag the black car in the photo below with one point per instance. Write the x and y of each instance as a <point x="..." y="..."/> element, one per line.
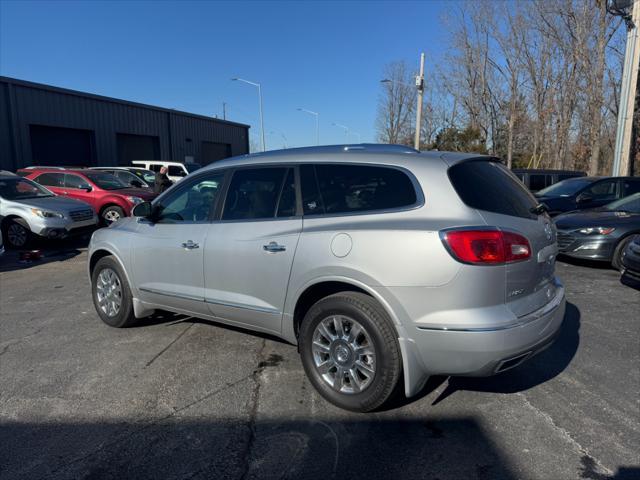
<point x="586" y="192"/>
<point x="631" y="264"/>
<point x="536" y="179"/>
<point x="602" y="233"/>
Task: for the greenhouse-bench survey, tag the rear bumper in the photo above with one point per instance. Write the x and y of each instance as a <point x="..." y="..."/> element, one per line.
<point x="487" y="351"/>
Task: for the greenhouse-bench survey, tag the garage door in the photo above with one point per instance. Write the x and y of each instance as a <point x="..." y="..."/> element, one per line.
<point x="212" y="152"/>
<point x="137" y="147"/>
<point x="57" y="146"/>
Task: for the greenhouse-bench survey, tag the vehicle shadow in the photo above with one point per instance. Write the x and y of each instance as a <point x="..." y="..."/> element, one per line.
<point x="579" y="262"/>
<point x="537" y="370"/>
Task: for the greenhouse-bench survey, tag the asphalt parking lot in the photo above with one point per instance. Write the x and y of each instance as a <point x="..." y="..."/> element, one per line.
<point x="180" y="397"/>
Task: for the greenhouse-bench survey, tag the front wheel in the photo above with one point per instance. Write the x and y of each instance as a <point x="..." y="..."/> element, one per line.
<point x="618" y="253"/>
<point x="112" y="214"/>
<point x="16" y="234"/>
<point x="111" y="294"/>
<point x="350" y="352"/>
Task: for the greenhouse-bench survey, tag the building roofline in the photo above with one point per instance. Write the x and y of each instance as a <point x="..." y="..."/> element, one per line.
<point x="93" y="96"/>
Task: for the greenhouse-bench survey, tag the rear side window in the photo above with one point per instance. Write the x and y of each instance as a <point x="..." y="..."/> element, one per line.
<point x="491" y="187"/>
<point x="176" y="171"/>
<point x="359" y="188"/>
<point x="51" y="179"/>
<point x="253" y="193"/>
<point x="74" y="181"/>
<point x="631" y="187"/>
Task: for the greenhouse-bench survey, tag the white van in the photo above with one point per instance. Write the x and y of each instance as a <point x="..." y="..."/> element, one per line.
<point x="177" y="171"/>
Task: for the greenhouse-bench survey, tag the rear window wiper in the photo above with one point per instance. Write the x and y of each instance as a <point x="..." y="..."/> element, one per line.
<point x="539" y="209"/>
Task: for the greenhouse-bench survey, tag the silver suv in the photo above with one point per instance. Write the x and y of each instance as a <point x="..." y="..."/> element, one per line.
<point x="378" y="261"/>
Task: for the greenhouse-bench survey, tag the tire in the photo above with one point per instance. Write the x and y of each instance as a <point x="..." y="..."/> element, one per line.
<point x="618" y="253"/>
<point x="112" y="214"/>
<point x="369" y="390"/>
<point x="108" y="277"/>
<point x="16" y="235"/>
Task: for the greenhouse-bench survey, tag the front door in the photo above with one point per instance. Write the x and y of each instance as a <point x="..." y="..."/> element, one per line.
<point x="250" y="251"/>
<point x="168" y="250"/>
<point x="77" y="187"/>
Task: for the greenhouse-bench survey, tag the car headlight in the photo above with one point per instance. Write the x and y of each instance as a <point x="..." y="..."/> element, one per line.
<point x="597" y="230"/>
<point x="46" y="213"/>
<point x="135" y="200"/>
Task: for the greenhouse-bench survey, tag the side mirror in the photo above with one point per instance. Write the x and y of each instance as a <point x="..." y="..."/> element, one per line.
<point x="88" y="188"/>
<point x="142" y="210"/>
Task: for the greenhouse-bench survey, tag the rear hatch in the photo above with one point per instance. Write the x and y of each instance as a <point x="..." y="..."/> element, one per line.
<point x="504" y="202"/>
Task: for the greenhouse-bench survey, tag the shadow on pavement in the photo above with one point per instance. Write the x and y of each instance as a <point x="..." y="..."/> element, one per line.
<point x="51" y="251"/>
<point x="579" y="262"/>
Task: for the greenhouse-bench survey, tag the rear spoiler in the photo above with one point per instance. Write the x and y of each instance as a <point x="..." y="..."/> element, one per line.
<point x="454" y="158"/>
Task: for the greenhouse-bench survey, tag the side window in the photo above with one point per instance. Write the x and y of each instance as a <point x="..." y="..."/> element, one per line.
<point x="51" y="179"/>
<point x="361" y="188"/>
<point x="603" y="190"/>
<point x="191" y="203"/>
<point x="287" y="202"/>
<point x="155" y="167"/>
<point x="631" y="187"/>
<point x="311" y="199"/>
<point x="74" y="181"/>
<point x="253" y="193"/>
<point x="175" y="171"/>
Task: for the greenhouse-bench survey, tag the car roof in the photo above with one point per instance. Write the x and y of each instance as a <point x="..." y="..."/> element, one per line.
<point x="386" y="154"/>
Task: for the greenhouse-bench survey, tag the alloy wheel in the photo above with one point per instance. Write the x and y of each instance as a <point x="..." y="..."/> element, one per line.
<point x="17" y="235"/>
<point x="109" y="292"/>
<point x="343" y="354"/>
<point x="111" y="216"/>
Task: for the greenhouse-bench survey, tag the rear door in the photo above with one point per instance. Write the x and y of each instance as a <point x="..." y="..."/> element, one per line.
<point x="52" y="180"/>
<point x="505" y="203"/>
<point x="249" y="251"/>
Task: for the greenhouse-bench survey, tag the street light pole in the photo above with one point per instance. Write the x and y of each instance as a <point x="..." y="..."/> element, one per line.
<point x="260" y="106"/>
<point x="317" y="115"/>
<point x="420" y="86"/>
<point x="622" y="152"/>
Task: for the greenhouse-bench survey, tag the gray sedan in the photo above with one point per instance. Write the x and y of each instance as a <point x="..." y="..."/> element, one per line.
<point x="28" y="209"/>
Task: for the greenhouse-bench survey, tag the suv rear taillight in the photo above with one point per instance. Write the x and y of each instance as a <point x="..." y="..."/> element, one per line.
<point x="486" y="247"/>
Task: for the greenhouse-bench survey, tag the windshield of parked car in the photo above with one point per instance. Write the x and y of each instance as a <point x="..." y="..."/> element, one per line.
<point x="146" y="175"/>
<point x="565" y="188"/>
<point x="105" y="181"/>
<point x="629" y="204"/>
<point x="192" y="167"/>
<point x="21" y="188"/>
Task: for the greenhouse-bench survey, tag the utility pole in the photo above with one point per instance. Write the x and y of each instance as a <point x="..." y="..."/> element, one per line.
<point x="420" y="87"/>
<point x="621" y="159"/>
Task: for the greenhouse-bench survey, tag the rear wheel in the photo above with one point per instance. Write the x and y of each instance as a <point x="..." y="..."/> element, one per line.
<point x="618" y="253"/>
<point x="111" y="294"/>
<point x="112" y="214"/>
<point x="16" y="234"/>
<point x="350" y="351"/>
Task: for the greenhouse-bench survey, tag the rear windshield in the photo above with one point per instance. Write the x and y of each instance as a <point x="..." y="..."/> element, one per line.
<point x="490" y="186"/>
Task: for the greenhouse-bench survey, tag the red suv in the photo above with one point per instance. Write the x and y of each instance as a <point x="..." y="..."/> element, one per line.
<point x="108" y="195"/>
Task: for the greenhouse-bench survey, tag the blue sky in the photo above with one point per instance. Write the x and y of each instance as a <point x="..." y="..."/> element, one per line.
<point x="325" y="56"/>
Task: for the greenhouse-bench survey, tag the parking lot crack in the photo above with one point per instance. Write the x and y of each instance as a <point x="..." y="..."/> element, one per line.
<point x="253" y="409"/>
<point x="586" y="458"/>
<point x="161" y="352"/>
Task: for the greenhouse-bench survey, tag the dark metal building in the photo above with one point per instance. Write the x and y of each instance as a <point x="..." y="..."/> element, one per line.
<point x="44" y="125"/>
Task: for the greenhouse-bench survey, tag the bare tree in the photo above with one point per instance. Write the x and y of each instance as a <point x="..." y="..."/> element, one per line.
<point x="396" y="105"/>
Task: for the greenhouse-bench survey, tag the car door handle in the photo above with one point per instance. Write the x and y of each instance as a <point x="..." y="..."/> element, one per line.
<point x="273" y="247"/>
<point x="190" y="245"/>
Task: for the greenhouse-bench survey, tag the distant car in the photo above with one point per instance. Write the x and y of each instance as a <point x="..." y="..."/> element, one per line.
<point x="176" y="170"/>
<point x="28" y="209"/>
<point x="631" y="264"/>
<point x="602" y="233"/>
<point x="108" y="195"/>
<point x="536" y="179"/>
<point x="134" y="177"/>
<point x="586" y="192"/>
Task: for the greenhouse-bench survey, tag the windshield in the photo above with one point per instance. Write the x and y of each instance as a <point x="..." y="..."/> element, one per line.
<point x="146" y="175"/>
<point x="20" y="188"/>
<point x="565" y="188"/>
<point x="626" y="204"/>
<point x="192" y="167"/>
<point x="106" y="181"/>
